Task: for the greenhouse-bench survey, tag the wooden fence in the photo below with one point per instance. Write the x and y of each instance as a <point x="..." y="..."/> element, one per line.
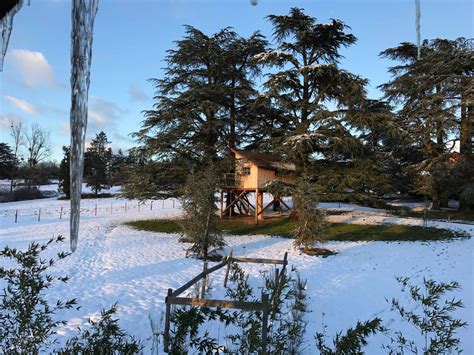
<point x="266" y="304"/>
<point x="58" y="212"/>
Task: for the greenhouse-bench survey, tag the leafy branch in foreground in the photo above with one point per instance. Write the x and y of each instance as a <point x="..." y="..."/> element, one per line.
<point x="352" y="341"/>
<point x="26" y="317"/>
<point x="104" y="337"/>
<point x="433" y="317"/>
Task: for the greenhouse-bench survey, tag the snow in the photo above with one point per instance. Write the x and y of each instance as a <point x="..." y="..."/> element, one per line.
<point x="114" y="263"/>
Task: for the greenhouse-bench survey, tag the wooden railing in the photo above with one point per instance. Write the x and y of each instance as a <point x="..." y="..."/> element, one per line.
<point x="265" y="305"/>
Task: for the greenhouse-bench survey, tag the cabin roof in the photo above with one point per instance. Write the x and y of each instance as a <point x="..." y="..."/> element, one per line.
<point x="265" y="160"/>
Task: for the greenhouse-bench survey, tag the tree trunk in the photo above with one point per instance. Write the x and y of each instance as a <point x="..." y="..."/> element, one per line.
<point x="435" y="200"/>
<point x="444" y="201"/>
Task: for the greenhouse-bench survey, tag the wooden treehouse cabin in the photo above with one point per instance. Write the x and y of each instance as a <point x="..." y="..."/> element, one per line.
<point x="252" y="172"/>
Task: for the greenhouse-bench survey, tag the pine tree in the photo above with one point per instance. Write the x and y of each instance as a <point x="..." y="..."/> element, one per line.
<point x="433" y="97"/>
<point x="64" y="173"/>
<point x="198" y="201"/>
<point x="309" y="79"/>
<point x="317" y="103"/>
<point x="98" y="157"/>
<point x="8" y="161"/>
<point x="202" y="106"/>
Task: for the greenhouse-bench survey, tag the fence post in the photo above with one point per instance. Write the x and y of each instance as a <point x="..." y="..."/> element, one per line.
<point x="95" y="210"/>
<point x="39" y="215"/>
<point x="229" y="262"/>
<point x="16" y="216"/>
<point x="204" y="280"/>
<point x="61" y="213"/>
<point x="265" y="306"/>
<point x="111" y="208"/>
<point x="166" y="335"/>
<point x="173" y="202"/>
<point x="138" y="206"/>
<point x="151" y="205"/>
<point x="163" y="204"/>
<point x="276" y="291"/>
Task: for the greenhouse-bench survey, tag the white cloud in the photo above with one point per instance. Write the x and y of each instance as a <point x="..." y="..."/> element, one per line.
<point x="33" y="67"/>
<point x="104" y="114"/>
<point x="137" y="94"/>
<point x="7" y="120"/>
<point x="22" y="105"/>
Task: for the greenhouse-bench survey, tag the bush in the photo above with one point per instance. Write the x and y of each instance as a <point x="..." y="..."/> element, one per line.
<point x="26" y="318"/>
<point x="286" y="325"/>
<point x="432" y="316"/>
<point x="22" y="194"/>
<point x="104" y="337"/>
<point x="198" y="202"/>
<point x="28" y="321"/>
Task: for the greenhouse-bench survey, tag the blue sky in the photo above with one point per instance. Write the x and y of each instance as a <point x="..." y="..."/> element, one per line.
<point x="131" y="38"/>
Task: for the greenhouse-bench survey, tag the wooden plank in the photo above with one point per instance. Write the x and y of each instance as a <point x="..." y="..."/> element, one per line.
<point x="229" y="262"/>
<point x="188" y="301"/>
<point x="265" y="309"/>
<point x="195" y="279"/>
<point x="259" y="261"/>
<point x="166" y="335"/>
<point x="283" y="202"/>
<point x="233" y="202"/>
<point x="270" y="204"/>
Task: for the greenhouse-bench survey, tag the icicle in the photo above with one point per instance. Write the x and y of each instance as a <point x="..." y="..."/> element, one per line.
<point x="83" y="14"/>
<point x="418" y="36"/>
<point x="6" y="25"/>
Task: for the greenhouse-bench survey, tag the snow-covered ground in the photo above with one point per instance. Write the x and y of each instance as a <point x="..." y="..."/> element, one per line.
<point x="115" y="263"/>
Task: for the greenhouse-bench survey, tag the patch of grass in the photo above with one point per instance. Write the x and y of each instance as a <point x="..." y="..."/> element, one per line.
<point x="438" y="215"/>
<point x="156" y="225"/>
<point x="283" y="227"/>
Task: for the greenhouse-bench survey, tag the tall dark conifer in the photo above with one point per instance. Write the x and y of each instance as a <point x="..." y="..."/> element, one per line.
<point x="433" y="98"/>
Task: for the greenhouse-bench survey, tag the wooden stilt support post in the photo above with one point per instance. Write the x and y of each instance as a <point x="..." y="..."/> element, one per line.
<point x="166" y="335"/>
<point x="256" y="206"/>
<point x="222" y="203"/>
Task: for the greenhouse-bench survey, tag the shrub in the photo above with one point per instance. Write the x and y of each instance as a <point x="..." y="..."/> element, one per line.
<point x="26" y="318"/>
<point x="432" y="316"/>
<point x="104" y="337"/>
<point x="286" y="325"/>
<point x="198" y="202"/>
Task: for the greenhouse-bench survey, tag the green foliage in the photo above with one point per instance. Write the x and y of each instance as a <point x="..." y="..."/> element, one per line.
<point x="104" y="337"/>
<point x="64" y="173"/>
<point x="432" y="316"/>
<point x="8" y="161"/>
<point x="97" y="160"/>
<point x="310" y="223"/>
<point x="352" y="341"/>
<point x="432" y="93"/>
<point x="286" y="323"/>
<point x="27" y="320"/>
<point x="248" y="335"/>
<point x="198" y="202"/>
<point x="185" y="335"/>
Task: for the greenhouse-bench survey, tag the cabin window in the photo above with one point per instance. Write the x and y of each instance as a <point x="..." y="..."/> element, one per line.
<point x="246" y="170"/>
